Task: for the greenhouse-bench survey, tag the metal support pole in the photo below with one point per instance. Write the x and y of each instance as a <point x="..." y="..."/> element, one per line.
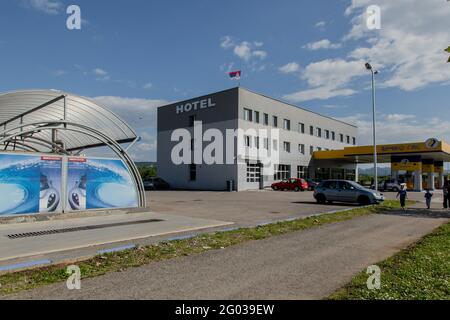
<point x="375" y="165"/>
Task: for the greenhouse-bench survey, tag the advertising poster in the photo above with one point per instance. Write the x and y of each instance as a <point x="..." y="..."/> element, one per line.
<point x="19" y="184"/>
<point x="109" y="185"/>
<point x="76" y="184"/>
<point x="50" y="184"/>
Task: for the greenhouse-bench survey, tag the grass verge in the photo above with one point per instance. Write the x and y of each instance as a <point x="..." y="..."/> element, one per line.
<point x="420" y="272"/>
<point x="120" y="261"/>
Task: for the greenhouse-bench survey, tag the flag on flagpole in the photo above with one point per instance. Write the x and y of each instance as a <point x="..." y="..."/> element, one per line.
<point x="235" y="75"/>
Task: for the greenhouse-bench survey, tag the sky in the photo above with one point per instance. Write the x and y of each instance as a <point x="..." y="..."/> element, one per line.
<point x="135" y="55"/>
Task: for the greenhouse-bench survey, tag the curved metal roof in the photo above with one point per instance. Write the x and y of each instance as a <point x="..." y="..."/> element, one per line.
<point x="31" y="106"/>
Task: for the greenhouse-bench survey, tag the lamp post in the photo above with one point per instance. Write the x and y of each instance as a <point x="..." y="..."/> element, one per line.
<point x="375" y="165"/>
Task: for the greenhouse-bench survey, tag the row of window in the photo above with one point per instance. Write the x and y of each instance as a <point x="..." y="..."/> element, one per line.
<point x="255" y="143"/>
<point x="254" y="116"/>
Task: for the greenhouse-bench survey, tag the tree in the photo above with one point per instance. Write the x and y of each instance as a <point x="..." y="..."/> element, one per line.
<point x="147" y="171"/>
<point x="448" y="50"/>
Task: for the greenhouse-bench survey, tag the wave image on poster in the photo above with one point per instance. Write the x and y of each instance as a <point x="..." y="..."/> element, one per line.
<point x="76" y="182"/>
<point x="109" y="185"/>
<point x="19" y="184"/>
<point x="50" y="184"/>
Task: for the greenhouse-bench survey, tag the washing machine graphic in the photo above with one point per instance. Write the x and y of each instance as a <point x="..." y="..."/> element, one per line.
<point x="77" y="195"/>
<point x="49" y="197"/>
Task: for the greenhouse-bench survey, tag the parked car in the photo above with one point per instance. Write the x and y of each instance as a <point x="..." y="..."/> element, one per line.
<point x="346" y="191"/>
<point x="388" y="185"/>
<point x="155" y="184"/>
<point x="312" y="184"/>
<point x="291" y="184"/>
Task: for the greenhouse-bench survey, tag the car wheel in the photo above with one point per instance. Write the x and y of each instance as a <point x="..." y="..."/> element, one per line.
<point x="321" y="199"/>
<point x="296" y="189"/>
<point x="363" y="201"/>
<point x="395" y="189"/>
<point x="275" y="188"/>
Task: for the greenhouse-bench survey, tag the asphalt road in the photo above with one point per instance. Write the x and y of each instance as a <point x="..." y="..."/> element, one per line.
<point x="309" y="264"/>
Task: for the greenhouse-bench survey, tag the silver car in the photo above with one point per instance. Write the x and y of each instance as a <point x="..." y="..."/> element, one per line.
<point x="346" y="191"/>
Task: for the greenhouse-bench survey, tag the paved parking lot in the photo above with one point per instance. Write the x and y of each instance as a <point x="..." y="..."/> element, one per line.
<point x="250" y="207"/>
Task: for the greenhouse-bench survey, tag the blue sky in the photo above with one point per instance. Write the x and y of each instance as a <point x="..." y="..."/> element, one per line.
<point x="135" y="55"/>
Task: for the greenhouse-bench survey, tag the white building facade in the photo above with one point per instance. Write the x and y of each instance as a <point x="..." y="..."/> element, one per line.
<point x="263" y="126"/>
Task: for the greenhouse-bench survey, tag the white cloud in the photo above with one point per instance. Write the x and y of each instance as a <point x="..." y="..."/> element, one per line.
<point x="328" y="79"/>
<point x="409" y="49"/>
<point x="147" y="86"/>
<point x="136" y="112"/>
<point x="410" y="44"/>
<point x="60" y="72"/>
<point x="227" y="42"/>
<point x="322" y="44"/>
<point x="320" y="24"/>
<point x="391" y="130"/>
<point x="100" y="74"/>
<point x="140" y="114"/>
<point x="335" y="106"/>
<point x="290" y="67"/>
<point x="51" y="7"/>
<point x="320" y="93"/>
<point x="245" y="50"/>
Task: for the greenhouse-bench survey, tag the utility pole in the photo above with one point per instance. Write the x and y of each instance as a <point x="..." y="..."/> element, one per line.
<point x="375" y="164"/>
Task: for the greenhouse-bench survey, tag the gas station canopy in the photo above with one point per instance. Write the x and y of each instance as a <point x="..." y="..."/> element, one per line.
<point x="432" y="149"/>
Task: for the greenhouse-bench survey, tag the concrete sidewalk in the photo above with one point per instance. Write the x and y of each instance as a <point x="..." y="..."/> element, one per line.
<point x="309" y="264"/>
<point x="22" y="239"/>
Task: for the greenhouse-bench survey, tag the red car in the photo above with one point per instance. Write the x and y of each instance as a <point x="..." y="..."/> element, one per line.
<point x="291" y="184"/>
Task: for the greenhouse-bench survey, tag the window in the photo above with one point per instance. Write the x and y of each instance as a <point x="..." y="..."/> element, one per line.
<point x="253" y="172"/>
<point x="302" y="172"/>
<point x="319" y="132"/>
<point x="248" y="115"/>
<point x="354" y="141"/>
<point x="275" y="121"/>
<point x="192" y="172"/>
<point x="256" y="116"/>
<point x="348" y="139"/>
<point x="311" y="130"/>
<point x="327" y="134"/>
<point x="282" y="172"/>
<point x="330" y="185"/>
<point x="311" y="150"/>
<point x="287" y="124"/>
<point x="301" y="127"/>
<point x="301" y="148"/>
<point x="247" y="141"/>
<point x="341" y="137"/>
<point x="266" y="143"/>
<point x="287" y="147"/>
<point x="275" y="144"/>
<point x="319" y="149"/>
<point x="333" y="135"/>
<point x="192" y="119"/>
<point x="257" y="142"/>
<point x="266" y="119"/>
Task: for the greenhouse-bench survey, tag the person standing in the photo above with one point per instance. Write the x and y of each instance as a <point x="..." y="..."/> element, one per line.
<point x="428" y="197"/>
<point x="445" y="189"/>
<point x="403" y="194"/>
<point x="448" y="194"/>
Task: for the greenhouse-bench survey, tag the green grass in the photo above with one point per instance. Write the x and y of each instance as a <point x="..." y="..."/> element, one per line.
<point x="116" y="262"/>
<point x="420" y="272"/>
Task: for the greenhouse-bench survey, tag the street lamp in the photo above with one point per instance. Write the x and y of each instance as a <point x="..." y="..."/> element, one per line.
<point x="375" y="166"/>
